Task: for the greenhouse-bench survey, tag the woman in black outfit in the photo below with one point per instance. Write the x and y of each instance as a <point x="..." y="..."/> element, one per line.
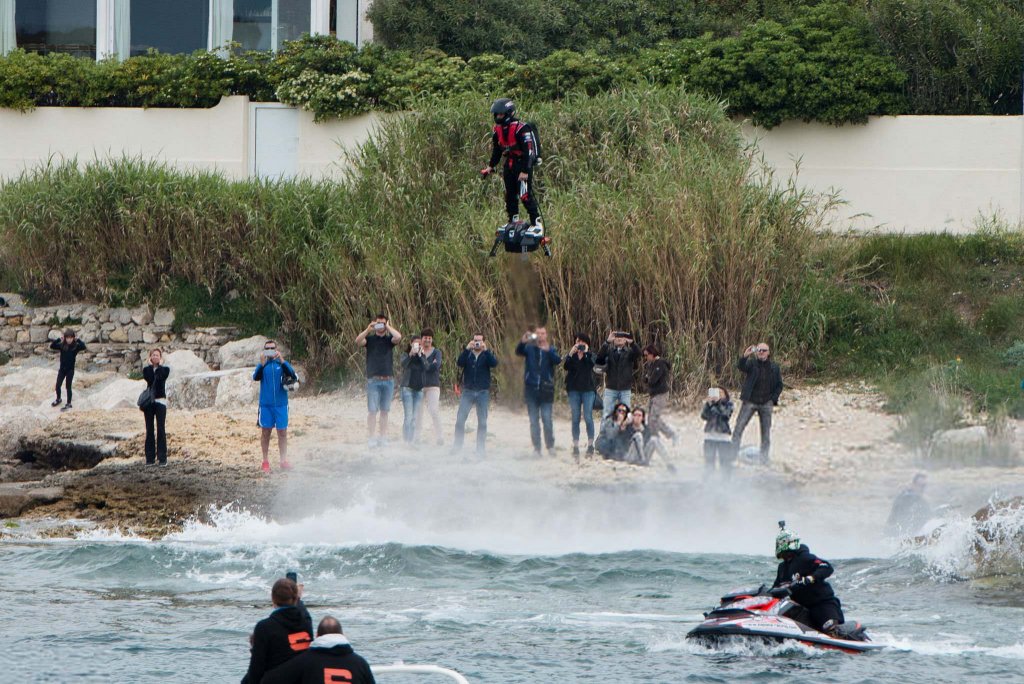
<point x="155" y="376"/>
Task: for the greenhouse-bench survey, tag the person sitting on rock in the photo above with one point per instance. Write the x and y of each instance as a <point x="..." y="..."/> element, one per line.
<point x="330" y="658"/>
<point x="69" y="346"/>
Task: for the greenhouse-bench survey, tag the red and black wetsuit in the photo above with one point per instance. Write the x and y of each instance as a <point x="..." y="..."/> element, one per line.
<point x="514" y="140"/>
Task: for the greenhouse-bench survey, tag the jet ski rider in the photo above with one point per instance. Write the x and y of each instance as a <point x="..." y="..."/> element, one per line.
<point x="805" y="575"/>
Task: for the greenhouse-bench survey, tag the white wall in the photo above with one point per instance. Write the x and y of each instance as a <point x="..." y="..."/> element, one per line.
<point x="906" y="173"/>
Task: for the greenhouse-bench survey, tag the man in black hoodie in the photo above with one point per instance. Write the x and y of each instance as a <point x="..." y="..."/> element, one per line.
<point x="618" y="357"/>
<point x="69" y="347"/>
<point x="285" y="634"/>
<point x="330" y="659"/>
<point x="762" y="386"/>
<point x="805" y="575"/>
<point x="658" y="376"/>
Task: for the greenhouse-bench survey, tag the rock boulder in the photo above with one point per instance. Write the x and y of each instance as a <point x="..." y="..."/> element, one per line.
<point x="244" y="353"/>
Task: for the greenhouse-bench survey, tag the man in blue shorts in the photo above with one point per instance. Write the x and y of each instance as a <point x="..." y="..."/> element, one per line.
<point x="270" y="373"/>
<point x="380" y="339"/>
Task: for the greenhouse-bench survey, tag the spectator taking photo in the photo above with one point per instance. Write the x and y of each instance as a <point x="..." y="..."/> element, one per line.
<point x="618" y="356"/>
<point x="539" y="385"/>
<point x="380" y="340"/>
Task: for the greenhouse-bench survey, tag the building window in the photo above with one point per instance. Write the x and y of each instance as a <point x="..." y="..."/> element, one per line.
<point x="56" y="26"/>
<point x="346" y="20"/>
<point x="175" y="27"/>
<point x="266" y="24"/>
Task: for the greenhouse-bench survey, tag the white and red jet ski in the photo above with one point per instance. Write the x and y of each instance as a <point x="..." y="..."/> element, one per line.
<point x="771" y="616"/>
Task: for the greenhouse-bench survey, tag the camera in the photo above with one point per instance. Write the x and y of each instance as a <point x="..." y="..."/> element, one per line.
<point x="620" y="333"/>
<point x="533" y="337"/>
<point x="714" y="393"/>
<point x="581" y="347"/>
<point x="478" y="345"/>
<point x="379" y="326"/>
<point x="269" y="353"/>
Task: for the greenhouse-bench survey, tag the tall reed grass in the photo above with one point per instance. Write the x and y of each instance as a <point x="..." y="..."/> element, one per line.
<point x="664" y="223"/>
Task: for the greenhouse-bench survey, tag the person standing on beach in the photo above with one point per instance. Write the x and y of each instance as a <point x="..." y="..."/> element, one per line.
<point x="69" y="346"/>
<point x="618" y="357"/>
<point x="155" y="375"/>
<point x="413" y="369"/>
<point x="271" y="372"/>
<point x="432" y="359"/>
<point x="380" y="339"/>
<point x="476" y="362"/>
<point x="762" y="386"/>
<point x="658" y="375"/>
<point x="539" y="385"/>
<point x="716" y="412"/>
<point x="579" y="385"/>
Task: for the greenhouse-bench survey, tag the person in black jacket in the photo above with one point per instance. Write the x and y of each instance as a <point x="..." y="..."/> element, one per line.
<point x="717" y="444"/>
<point x="155" y="375"/>
<point x="515" y="140"/>
<point x="581" y="391"/>
<point x="330" y="659"/>
<point x="618" y="357"/>
<point x="658" y="376"/>
<point x="476" y="362"/>
<point x="69" y="346"/>
<point x="805" y="575"/>
<point x="282" y="636"/>
<point x="762" y="386"/>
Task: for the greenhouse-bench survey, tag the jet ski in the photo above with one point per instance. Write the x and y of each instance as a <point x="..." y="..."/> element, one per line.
<point x="771" y="616"/>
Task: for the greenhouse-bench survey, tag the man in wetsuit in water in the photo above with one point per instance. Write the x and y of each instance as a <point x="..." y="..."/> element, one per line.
<point x="517" y="142"/>
<point x="805" y="575"/>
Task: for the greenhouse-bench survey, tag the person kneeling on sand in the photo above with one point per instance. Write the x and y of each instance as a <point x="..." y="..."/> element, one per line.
<point x="273" y="412"/>
<point x="613" y="440"/>
<point x="643" y="441"/>
<point x="330" y="658"/>
<point x="282" y="636"/>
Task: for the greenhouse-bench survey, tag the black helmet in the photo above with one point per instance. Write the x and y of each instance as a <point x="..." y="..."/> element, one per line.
<point x="504" y="106"/>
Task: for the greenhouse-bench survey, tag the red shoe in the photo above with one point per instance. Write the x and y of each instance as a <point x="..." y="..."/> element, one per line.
<point x="265" y="467"/>
<point x="285" y="465"/>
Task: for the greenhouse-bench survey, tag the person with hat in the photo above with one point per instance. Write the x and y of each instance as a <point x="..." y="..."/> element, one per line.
<point x="805" y="576"/>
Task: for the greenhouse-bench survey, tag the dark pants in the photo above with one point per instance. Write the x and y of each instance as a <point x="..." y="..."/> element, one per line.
<point x="510" y="175"/>
<point x="539" y="411"/>
<point x="721" y="451"/>
<point x="481" y="399"/>
<point x="65" y="377"/>
<point x="764" y="416"/>
<point x="829" y="609"/>
<point x="156" y="445"/>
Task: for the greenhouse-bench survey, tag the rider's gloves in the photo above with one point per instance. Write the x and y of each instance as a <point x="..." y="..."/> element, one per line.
<point x="486" y="171"/>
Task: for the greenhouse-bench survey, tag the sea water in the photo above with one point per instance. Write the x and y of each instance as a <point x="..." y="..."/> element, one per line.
<point x="552" y="587"/>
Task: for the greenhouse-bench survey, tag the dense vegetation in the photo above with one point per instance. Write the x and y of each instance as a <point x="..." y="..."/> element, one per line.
<point x="835" y="61"/>
<point x="658" y="228"/>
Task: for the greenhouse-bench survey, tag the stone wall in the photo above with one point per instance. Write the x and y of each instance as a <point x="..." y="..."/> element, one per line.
<point x="116" y="338"/>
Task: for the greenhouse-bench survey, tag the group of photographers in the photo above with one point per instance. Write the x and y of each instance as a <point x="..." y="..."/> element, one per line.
<point x="626" y="432"/>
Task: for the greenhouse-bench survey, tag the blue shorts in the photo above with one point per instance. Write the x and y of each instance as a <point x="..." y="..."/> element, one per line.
<point x="273" y="417"/>
<point x="379" y="394"/>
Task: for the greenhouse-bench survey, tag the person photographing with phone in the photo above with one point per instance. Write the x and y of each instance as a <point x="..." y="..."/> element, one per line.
<point x="413" y="373"/>
<point x="273" y="372"/>
<point x="716" y="412"/>
<point x="581" y="391"/>
<point x="476" y="363"/>
<point x="539" y="384"/>
<point x="762" y="386"/>
<point x="618" y="357"/>
<point x="380" y="340"/>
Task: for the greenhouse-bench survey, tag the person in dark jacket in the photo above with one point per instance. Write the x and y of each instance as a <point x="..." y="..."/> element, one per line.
<point x="658" y="376"/>
<point x="539" y="385"/>
<point x="69" y="346"/>
<point x="613" y="440"/>
<point x="432" y="359"/>
<point x="155" y="375"/>
<point x="717" y="441"/>
<point x="282" y="636"/>
<point x="414" y="369"/>
<point x="581" y="390"/>
<point x="805" y="575"/>
<point x="617" y="357"/>
<point x="476" y="362"/>
<point x="514" y="140"/>
<point x="330" y="659"/>
<point x="762" y="386"/>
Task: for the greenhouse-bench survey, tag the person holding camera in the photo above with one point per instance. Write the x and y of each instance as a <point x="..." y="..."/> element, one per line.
<point x="380" y="340"/>
<point x="69" y="347"/>
<point x="539" y="384"/>
<point x="579" y="385"/>
<point x="762" y="387"/>
<point x="476" y="362"/>
<point x="716" y="412"/>
<point x="432" y="359"/>
<point x="273" y="372"/>
<point x="155" y="413"/>
<point x="413" y="371"/>
<point x="642" y="440"/>
<point x="618" y="356"/>
<point x="613" y="440"/>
